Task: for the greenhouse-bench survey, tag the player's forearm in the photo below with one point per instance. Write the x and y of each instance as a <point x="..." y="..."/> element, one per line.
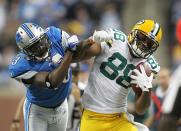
<point x="143" y="102"/>
<point x="54" y="78"/>
<point x="57" y="76"/>
<point x="79" y="54"/>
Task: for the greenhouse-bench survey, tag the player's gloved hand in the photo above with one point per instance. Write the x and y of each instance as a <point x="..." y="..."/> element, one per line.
<point x="56" y="59"/>
<point x="101" y="36"/>
<point x="141" y="79"/>
<point x="73" y="41"/>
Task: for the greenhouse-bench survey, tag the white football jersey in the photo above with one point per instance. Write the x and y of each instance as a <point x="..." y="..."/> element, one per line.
<point x="109" y="82"/>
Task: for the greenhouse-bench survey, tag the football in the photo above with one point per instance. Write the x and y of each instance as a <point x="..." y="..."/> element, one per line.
<point x="138" y="90"/>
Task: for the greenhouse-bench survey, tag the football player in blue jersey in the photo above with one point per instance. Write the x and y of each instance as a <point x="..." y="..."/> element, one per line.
<point x="42" y="66"/>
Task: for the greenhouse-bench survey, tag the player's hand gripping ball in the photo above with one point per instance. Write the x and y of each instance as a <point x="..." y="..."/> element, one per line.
<point x="147" y="79"/>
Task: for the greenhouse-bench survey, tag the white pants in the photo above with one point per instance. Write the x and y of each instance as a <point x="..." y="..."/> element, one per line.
<point x="45" y="119"/>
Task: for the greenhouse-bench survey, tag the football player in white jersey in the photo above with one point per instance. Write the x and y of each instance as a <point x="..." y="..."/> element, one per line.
<point x="105" y="97"/>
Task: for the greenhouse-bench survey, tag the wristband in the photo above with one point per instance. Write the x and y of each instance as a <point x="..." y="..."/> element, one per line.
<point x="48" y="83"/>
<point x="15" y="121"/>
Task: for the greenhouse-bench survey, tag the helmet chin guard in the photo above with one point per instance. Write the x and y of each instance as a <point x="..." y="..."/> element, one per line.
<point x="137" y="52"/>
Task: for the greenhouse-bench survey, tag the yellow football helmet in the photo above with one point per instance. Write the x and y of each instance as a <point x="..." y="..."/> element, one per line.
<point x="144" y="38"/>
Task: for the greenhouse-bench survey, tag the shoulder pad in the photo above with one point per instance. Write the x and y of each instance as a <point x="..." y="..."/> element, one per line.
<point x="118" y="35"/>
<point x="18" y="66"/>
<point x="54" y="33"/>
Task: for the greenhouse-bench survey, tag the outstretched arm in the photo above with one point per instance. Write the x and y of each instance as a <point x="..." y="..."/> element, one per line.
<point x="145" y="83"/>
<point x="52" y="79"/>
<point x="85" y="50"/>
<point x="91" y="46"/>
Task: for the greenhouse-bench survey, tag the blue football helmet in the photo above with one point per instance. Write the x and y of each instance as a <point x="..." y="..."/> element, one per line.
<point x="33" y="41"/>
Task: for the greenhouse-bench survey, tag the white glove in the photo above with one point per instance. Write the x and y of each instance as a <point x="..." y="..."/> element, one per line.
<point x="101" y="36"/>
<point x="141" y="79"/>
<point x="57" y="58"/>
<point x="73" y="41"/>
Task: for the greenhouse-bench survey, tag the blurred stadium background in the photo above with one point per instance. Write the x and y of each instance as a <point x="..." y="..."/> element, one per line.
<point x="80" y="17"/>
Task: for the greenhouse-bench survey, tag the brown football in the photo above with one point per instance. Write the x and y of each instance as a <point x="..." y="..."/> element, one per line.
<point x="138" y="90"/>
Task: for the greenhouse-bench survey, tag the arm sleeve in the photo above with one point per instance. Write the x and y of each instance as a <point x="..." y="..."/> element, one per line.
<point x="58" y="37"/>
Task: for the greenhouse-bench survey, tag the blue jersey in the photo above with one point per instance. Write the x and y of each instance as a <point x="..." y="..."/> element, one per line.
<point x="20" y="67"/>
